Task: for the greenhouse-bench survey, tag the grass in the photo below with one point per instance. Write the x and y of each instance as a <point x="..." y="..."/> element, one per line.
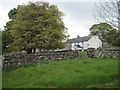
<point x="77" y="73"/>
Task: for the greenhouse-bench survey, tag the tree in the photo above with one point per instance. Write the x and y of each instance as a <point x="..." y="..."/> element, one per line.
<point x="6" y="41"/>
<point x="116" y="41"/>
<point x="12" y="16"/>
<point x="38" y="25"/>
<point x="105" y="31"/>
<point x="6" y="35"/>
<point x="108" y="11"/>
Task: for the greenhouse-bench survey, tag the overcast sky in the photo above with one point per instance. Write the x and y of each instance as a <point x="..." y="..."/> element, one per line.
<point x="78" y="14"/>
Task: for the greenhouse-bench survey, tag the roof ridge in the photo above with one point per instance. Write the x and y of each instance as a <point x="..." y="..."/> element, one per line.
<point x="80" y="39"/>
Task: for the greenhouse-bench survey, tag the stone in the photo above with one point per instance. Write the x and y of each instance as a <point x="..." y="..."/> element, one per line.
<point x="106" y="51"/>
<point x="17" y="60"/>
<point x="23" y="51"/>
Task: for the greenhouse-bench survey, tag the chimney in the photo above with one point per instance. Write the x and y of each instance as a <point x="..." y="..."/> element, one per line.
<point x="78" y="36"/>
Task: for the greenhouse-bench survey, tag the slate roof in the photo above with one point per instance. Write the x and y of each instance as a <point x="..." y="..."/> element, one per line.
<point x="80" y="39"/>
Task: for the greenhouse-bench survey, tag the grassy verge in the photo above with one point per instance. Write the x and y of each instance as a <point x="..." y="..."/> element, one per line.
<point x="77" y="73"/>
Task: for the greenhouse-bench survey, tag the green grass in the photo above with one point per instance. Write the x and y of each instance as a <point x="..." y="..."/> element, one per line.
<point x="77" y="73"/>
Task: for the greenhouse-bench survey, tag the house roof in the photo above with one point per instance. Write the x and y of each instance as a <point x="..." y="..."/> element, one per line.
<point x="80" y="39"/>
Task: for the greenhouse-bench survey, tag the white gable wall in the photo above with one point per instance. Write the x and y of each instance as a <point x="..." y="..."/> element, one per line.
<point x="94" y="42"/>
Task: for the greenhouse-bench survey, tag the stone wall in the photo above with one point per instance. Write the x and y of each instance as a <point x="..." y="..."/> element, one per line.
<point x="107" y="51"/>
<point x="16" y="60"/>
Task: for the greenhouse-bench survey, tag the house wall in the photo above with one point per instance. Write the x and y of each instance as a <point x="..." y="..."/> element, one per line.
<point x="94" y="42"/>
<point x="72" y="46"/>
<point x="85" y="45"/>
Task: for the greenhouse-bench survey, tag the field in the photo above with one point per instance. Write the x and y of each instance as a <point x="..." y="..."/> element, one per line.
<point x="82" y="72"/>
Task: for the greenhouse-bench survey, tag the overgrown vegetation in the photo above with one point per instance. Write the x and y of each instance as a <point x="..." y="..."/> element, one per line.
<point x="77" y="73"/>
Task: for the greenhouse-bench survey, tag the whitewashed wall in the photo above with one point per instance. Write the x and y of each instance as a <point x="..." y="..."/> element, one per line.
<point x="72" y="46"/>
<point x="85" y="45"/>
<point x="94" y="42"/>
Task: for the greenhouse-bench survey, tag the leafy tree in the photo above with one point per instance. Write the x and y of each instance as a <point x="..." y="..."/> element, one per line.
<point x="6" y="40"/>
<point x="12" y="15"/>
<point x="101" y="29"/>
<point x="38" y="25"/>
<point x="116" y="42"/>
<point x="6" y="35"/>
<point x="105" y="31"/>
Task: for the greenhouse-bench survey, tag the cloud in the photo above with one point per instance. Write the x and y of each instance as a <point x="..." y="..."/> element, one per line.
<point x="78" y="17"/>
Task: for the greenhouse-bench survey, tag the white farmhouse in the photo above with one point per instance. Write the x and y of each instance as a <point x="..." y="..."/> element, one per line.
<point x="83" y="43"/>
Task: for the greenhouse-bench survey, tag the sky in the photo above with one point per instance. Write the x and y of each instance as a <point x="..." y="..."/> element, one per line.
<point x="78" y="14"/>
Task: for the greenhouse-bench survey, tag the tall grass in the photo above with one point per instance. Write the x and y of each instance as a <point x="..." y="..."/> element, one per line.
<point x="77" y="73"/>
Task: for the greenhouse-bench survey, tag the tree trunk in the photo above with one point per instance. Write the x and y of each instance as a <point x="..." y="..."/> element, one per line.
<point x="29" y="50"/>
<point x="34" y="50"/>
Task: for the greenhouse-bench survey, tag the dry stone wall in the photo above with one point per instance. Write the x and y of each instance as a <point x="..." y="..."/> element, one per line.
<point x="17" y="60"/>
<point x="108" y="51"/>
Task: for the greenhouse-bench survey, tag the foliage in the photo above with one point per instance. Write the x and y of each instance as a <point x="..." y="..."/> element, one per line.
<point x="6" y="40"/>
<point x="76" y="73"/>
<point x="101" y="29"/>
<point x="12" y="16"/>
<point x="38" y="25"/>
<point x="8" y="25"/>
<point x="116" y="42"/>
<point x="12" y="13"/>
<point x="106" y="32"/>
